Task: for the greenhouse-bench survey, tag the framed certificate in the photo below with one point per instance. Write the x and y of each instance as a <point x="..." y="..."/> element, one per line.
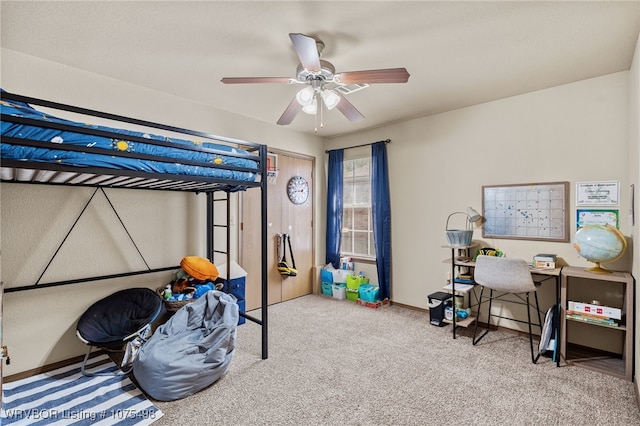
<point x="598" y="193"/>
<point x="586" y="217"/>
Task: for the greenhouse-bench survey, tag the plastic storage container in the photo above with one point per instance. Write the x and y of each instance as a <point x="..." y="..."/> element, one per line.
<point x="352" y="294"/>
<point x="326" y="289"/>
<point x="340" y="275"/>
<point x="437" y="303"/>
<point x="326" y="276"/>
<point x="339" y="290"/>
<point x="353" y="281"/>
<point x="236" y="285"/>
<point x="368" y="292"/>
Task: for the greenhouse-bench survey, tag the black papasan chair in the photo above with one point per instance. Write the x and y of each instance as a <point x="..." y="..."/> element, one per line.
<point x="119" y="321"/>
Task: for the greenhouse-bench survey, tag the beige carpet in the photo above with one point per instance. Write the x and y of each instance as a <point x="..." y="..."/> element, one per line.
<point x="332" y="362"/>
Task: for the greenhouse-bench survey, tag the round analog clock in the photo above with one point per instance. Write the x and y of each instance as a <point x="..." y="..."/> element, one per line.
<point x="298" y="189"/>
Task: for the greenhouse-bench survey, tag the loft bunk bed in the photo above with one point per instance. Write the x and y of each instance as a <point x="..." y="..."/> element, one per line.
<point x="38" y="147"/>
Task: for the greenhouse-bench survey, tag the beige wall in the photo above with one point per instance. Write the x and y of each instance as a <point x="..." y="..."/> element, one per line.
<point x="438" y="164"/>
<point x="575" y="132"/>
<point x="39" y="325"/>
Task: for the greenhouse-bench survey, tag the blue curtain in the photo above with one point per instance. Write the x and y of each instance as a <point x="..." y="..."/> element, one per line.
<point x="334" y="206"/>
<point x="381" y="216"/>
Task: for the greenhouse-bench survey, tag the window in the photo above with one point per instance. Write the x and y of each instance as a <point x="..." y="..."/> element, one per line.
<point x="357" y="219"/>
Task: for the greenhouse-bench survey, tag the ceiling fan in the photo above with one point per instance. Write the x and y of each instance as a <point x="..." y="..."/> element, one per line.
<point x="321" y="81"/>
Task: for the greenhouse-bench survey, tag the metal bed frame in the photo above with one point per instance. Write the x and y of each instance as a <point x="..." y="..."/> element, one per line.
<point x="41" y="173"/>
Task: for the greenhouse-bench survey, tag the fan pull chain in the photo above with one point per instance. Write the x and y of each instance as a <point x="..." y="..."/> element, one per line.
<point x="315" y="129"/>
<point x="321" y="112"/>
<point x="318" y="111"/>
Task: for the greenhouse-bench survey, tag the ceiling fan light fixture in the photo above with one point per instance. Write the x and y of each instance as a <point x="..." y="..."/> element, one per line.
<point x="312" y="108"/>
<point x="315" y="74"/>
<point x="330" y="98"/>
<point x="305" y="96"/>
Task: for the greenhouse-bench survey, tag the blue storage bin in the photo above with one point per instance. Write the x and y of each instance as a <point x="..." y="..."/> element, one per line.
<point x="326" y="289"/>
<point x="235" y="287"/>
<point x="368" y="292"/>
<point x="326" y="276"/>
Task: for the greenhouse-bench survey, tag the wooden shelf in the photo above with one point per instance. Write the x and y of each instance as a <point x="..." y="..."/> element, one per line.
<point x="462" y="322"/>
<point x="595" y="360"/>
<point x="618" y="365"/>
<point x="459" y="258"/>
<point x="619" y="327"/>
<point x="461" y="288"/>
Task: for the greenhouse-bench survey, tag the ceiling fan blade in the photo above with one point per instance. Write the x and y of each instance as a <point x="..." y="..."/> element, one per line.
<point x="307" y="51"/>
<point x="242" y="80"/>
<point x="391" y="75"/>
<point x="347" y="108"/>
<point x="290" y="113"/>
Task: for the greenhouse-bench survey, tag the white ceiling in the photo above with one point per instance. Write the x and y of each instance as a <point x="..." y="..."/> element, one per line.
<point x="458" y="53"/>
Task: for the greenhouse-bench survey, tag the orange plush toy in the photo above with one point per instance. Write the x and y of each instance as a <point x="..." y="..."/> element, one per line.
<point x="199" y="268"/>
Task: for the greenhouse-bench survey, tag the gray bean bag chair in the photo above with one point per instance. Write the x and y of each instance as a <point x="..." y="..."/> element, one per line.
<point x="190" y="351"/>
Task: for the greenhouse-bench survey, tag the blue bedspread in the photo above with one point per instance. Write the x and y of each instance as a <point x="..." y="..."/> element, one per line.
<point x="170" y="159"/>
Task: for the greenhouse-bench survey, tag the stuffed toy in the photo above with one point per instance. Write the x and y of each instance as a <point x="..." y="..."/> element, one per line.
<point x="181" y="285"/>
<point x="195" y="272"/>
<point x="199" y="268"/>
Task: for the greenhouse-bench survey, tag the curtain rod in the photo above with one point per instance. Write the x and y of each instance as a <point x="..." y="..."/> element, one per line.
<point x="361" y="145"/>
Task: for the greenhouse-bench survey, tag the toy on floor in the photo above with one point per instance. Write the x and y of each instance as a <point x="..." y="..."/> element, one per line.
<point x="196" y="276"/>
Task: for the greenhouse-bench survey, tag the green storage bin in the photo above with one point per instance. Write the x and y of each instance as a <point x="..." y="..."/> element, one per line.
<point x="354" y="281"/>
<point x="352" y="294"/>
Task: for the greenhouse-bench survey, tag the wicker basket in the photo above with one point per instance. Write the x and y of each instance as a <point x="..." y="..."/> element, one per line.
<point x="459" y="237"/>
<point x="172" y="306"/>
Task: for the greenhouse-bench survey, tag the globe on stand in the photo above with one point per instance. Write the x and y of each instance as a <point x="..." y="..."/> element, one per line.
<point x="600" y="244"/>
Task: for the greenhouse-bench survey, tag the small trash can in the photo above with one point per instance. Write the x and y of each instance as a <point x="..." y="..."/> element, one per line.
<point x="437" y="303"/>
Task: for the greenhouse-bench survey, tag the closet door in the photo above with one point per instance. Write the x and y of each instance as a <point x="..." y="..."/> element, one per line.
<point x="297" y="221"/>
<point x="283" y="217"/>
<point x="250" y="244"/>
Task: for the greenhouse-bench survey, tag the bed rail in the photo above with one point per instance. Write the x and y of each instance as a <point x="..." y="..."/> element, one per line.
<point x="44" y="172"/>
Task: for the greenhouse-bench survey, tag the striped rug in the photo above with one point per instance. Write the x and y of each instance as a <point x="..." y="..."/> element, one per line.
<point x="66" y="397"/>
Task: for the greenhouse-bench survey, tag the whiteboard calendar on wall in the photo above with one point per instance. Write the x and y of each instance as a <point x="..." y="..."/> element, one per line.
<point x="535" y="211"/>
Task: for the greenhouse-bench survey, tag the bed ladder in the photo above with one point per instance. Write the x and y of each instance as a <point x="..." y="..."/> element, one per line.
<point x="212" y="249"/>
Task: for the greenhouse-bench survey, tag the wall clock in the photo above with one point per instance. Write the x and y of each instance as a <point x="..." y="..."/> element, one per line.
<point x="298" y="189"/>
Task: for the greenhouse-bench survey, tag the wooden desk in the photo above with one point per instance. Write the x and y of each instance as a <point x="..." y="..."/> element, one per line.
<point x="619" y="366"/>
<point x="534" y="271"/>
<point x="540" y="275"/>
